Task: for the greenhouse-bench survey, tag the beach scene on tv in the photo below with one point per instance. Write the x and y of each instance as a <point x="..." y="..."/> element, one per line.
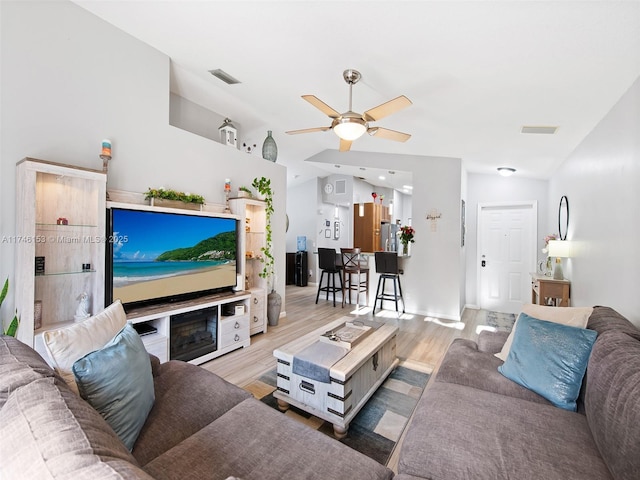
<point x="157" y="255"/>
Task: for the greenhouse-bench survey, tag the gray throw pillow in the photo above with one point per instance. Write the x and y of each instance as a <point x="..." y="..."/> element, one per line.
<point x="117" y="381"/>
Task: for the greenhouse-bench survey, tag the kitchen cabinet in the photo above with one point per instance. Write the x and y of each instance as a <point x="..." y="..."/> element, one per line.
<point x="366" y="227"/>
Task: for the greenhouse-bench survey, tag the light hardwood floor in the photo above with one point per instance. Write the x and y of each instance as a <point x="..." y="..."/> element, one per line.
<point x="420" y="339"/>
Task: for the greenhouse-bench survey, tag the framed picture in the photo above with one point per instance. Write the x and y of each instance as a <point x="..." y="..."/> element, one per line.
<point x="327" y="223"/>
<point x="327" y="233"/>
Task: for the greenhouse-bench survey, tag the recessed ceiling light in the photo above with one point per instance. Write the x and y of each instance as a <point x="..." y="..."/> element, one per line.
<point x="408" y="187"/>
<point x="506" y="171"/>
<point x="545" y="130"/>
<point x="382" y="177"/>
<point x="224" y="76"/>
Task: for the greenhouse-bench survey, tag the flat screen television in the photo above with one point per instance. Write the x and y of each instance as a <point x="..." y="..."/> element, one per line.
<point x="154" y="256"/>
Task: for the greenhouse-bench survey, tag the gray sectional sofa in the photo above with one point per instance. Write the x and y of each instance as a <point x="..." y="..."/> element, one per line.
<point x="200" y="427"/>
<point x="470" y="423"/>
<point x="473" y="423"/>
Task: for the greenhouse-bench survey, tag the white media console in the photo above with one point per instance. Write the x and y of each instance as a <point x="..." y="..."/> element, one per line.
<point x="226" y="316"/>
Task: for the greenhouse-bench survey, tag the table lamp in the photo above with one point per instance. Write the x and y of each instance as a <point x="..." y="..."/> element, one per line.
<point x="559" y="249"/>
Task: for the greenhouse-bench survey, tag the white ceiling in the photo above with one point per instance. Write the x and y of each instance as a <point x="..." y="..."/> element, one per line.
<point x="475" y="71"/>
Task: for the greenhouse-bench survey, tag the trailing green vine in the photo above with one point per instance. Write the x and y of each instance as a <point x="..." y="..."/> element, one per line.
<point x="263" y="187"/>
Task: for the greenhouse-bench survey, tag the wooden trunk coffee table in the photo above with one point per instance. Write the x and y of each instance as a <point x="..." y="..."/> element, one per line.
<point x="353" y="378"/>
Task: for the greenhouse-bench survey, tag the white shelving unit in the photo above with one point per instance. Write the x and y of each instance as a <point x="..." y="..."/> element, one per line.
<point x="60" y="219"/>
<point x="252" y="239"/>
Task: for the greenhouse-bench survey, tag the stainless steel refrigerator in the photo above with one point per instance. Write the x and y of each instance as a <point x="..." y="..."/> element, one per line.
<point x="389" y="237"/>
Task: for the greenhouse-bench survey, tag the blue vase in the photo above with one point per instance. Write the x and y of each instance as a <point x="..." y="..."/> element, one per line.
<point x="269" y="148"/>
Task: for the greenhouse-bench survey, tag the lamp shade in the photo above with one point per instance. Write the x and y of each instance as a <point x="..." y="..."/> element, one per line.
<point x="559" y="248"/>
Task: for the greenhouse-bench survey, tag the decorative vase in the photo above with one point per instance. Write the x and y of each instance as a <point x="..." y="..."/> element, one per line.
<point x="405" y="249"/>
<point x="274" y="304"/>
<point x="269" y="148"/>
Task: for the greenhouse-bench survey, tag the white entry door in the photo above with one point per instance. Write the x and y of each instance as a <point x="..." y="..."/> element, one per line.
<point x="506" y="255"/>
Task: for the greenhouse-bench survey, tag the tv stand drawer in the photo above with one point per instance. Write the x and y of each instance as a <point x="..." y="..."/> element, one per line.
<point x="234" y="331"/>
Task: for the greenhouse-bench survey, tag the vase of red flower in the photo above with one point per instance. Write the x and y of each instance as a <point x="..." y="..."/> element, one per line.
<point x="406" y="237"/>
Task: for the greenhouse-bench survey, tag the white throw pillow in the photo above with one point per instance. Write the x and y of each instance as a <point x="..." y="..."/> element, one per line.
<point x="572" y="316"/>
<point x="69" y="344"/>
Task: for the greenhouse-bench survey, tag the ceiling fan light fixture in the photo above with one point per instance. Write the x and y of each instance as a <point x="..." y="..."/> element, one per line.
<point x="350" y="128"/>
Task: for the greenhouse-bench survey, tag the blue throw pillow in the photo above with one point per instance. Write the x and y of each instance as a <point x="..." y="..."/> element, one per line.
<point x="117" y="381"/>
<point x="550" y="359"/>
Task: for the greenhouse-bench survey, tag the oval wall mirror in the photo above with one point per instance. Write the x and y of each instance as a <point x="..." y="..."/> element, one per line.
<point x="563" y="217"/>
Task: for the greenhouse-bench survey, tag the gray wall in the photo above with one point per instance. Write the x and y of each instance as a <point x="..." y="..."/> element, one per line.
<point x="69" y="80"/>
<point x="601" y="179"/>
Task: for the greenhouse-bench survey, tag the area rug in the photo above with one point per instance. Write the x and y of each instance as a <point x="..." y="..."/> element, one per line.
<point x="501" y="322"/>
<point x="375" y="430"/>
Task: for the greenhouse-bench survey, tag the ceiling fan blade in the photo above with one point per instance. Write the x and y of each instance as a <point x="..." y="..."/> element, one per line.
<point x="320" y="105"/>
<point x="388" y="134"/>
<point x="392" y="106"/>
<point x="308" y="130"/>
<point x="345" y="145"/>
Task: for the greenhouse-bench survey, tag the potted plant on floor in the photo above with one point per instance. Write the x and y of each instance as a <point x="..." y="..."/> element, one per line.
<point x="274" y="300"/>
<point x="13" y="325"/>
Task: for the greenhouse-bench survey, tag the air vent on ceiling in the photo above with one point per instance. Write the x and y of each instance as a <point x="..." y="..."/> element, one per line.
<point x="224" y="76"/>
<point x="542" y="130"/>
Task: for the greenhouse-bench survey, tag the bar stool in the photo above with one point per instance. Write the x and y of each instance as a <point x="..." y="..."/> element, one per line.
<point x="352" y="266"/>
<point x="328" y="264"/>
<point x="387" y="267"/>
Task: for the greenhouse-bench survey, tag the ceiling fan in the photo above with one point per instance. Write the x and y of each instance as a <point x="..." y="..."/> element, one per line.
<point x="351" y="125"/>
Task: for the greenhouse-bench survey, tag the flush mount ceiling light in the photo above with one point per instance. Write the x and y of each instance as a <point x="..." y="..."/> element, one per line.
<point x="506" y="171"/>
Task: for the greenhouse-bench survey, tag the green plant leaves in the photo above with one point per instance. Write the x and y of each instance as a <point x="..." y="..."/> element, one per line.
<point x="173" y="195"/>
<point x="263" y="187"/>
<point x="13" y="326"/>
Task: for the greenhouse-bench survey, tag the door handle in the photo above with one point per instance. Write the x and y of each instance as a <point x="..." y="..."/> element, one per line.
<point x="483" y="263"/>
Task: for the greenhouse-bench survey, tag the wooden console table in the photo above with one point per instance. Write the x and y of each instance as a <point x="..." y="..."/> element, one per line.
<point x="549" y="291"/>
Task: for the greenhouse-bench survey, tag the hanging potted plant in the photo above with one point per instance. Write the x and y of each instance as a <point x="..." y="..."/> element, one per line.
<point x="274" y="300"/>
